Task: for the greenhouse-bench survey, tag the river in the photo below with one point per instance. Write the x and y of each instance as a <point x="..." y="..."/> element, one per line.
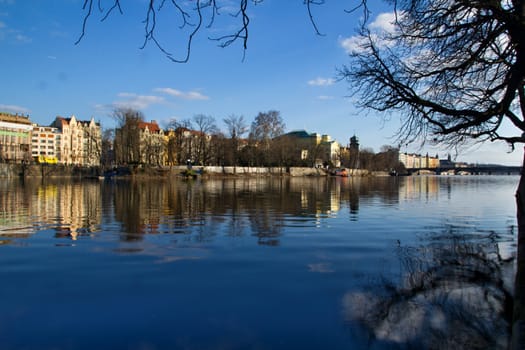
<point x="421" y="262"/>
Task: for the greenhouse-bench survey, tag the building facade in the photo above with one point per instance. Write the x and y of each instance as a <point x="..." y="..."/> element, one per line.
<point x="15" y="138"/>
<point x="152" y="144"/>
<point x="45" y="141"/>
<point x="417" y="161"/>
<point x="313" y="148"/>
<point x="80" y="141"/>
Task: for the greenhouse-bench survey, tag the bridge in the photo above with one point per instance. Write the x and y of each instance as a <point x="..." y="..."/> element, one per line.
<point x="472" y="170"/>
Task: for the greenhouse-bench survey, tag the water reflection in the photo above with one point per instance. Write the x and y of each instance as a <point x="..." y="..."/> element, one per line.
<point x="454" y="293"/>
<point x="260" y="206"/>
<point x="150" y="207"/>
<point x="277" y="262"/>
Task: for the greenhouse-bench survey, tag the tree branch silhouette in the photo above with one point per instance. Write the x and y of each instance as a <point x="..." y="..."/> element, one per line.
<point x="197" y="12"/>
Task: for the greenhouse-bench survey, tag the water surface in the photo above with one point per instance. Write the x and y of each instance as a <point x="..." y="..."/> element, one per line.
<point x="257" y="263"/>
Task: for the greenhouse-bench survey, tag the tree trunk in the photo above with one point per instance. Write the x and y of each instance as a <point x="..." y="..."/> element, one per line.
<point x="518" y="317"/>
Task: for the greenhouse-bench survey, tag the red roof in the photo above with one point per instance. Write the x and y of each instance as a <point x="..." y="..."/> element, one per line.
<point x="152" y="127"/>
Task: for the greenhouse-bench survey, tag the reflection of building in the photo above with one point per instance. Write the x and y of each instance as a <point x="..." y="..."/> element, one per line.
<point x="15" y="138"/>
<point x="80" y="141"/>
<point x="69" y="205"/>
<point x="15" y="217"/>
<point x="418" y="186"/>
<point x="313" y="197"/>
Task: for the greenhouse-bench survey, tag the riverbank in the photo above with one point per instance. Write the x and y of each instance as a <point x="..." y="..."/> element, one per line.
<point x="45" y="170"/>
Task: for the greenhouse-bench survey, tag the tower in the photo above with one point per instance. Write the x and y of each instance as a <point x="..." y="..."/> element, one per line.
<point x="354" y="152"/>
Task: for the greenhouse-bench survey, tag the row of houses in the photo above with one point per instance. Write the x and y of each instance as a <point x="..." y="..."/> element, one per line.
<point x="418" y="161"/>
<point x="66" y="141"/>
<point x="71" y="141"/>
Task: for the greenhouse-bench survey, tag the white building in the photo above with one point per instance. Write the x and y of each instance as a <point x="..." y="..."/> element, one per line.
<point x="45" y="141"/>
<point x="80" y="142"/>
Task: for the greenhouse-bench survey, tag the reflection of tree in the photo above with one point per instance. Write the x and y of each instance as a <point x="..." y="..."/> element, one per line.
<point x="454" y="295"/>
<point x="137" y="206"/>
<point x="359" y="189"/>
<point x="195" y="209"/>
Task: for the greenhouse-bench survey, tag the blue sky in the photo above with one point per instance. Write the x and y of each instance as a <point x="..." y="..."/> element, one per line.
<point x="287" y="68"/>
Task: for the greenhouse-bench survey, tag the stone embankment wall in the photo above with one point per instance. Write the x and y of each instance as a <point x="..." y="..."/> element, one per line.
<point x="294" y="171"/>
<point x="239" y="170"/>
<point x="35" y="170"/>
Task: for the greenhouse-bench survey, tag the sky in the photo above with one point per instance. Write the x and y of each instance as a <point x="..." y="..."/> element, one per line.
<point x="287" y="67"/>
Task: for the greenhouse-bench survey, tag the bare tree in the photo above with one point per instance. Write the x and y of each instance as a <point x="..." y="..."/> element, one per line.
<point x="265" y="127"/>
<point x="387" y="159"/>
<point x="127" y="135"/>
<point x="454" y="68"/>
<point x="205" y="127"/>
<point x="236" y="128"/>
<point x="107" y="157"/>
<point x="366" y="156"/>
<point x="456" y="71"/>
<point x="220" y="149"/>
<point x="179" y="144"/>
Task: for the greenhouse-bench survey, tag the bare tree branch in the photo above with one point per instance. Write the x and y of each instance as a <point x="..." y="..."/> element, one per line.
<point x="454" y="69"/>
<point x="200" y="14"/>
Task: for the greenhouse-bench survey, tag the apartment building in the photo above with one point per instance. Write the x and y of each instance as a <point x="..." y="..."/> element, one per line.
<point x="417" y="161"/>
<point x="44" y="144"/>
<point x="152" y="143"/>
<point x="80" y="141"/>
<point x="15" y="138"/>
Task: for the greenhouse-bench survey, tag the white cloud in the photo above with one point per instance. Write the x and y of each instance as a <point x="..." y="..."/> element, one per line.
<point x="189" y="95"/>
<point x="22" y="38"/>
<point x="385" y="22"/>
<point x="321" y="82"/>
<point x="382" y="26"/>
<point x="8" y="33"/>
<point x="135" y="101"/>
<point x="14" y="109"/>
<point x="353" y="44"/>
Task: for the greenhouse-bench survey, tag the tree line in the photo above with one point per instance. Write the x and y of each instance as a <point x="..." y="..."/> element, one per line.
<point x="199" y="140"/>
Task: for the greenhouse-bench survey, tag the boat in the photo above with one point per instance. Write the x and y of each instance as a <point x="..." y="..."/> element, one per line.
<point x="340" y="172"/>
